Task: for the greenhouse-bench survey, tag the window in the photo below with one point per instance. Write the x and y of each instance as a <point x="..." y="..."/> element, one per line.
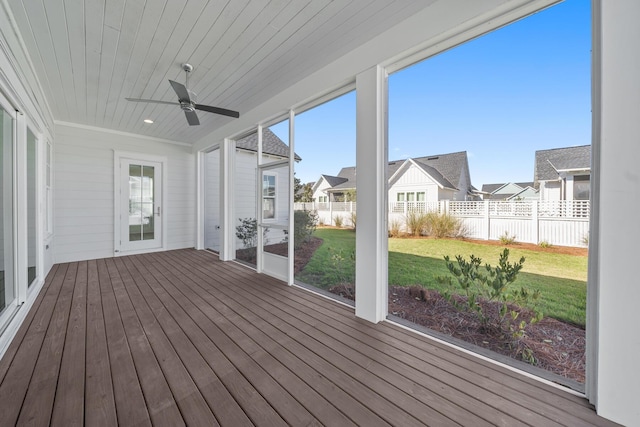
<point x="268" y="196"/>
<point x="323" y="199"/>
<point x="420" y="196"/>
<point x="411" y="197"/>
<point x="400" y="197"/>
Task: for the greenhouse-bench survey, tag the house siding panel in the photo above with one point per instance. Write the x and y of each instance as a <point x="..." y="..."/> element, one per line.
<point x="84" y="191"/>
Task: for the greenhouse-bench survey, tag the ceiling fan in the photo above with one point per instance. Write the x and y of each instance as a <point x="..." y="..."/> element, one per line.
<point x="187" y="101"/>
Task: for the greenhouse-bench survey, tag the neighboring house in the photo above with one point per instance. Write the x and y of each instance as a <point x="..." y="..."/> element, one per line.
<point x="509" y="191"/>
<point x="419" y="179"/>
<point x="275" y="186"/>
<point x="563" y="173"/>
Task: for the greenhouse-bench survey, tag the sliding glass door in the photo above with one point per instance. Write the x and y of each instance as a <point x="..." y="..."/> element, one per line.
<point x="8" y="292"/>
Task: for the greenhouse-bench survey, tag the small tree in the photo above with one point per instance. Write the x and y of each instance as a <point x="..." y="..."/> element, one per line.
<point x="305" y="223"/>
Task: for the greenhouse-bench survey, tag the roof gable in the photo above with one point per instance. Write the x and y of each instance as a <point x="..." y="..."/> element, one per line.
<point x="550" y="162"/>
<point x="271" y="144"/>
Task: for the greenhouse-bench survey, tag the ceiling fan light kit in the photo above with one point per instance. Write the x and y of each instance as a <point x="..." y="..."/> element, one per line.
<point x="187" y="101"/>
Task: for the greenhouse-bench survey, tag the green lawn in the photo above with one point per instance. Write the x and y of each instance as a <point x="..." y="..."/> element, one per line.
<point x="560" y="278"/>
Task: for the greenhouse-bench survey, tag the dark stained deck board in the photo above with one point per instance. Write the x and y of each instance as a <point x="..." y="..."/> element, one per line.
<point x="130" y="406"/>
<point x="26" y="324"/>
<point x="100" y="408"/>
<point x="217" y="329"/>
<point x="160" y="402"/>
<point x="179" y="337"/>
<point x="221" y="402"/>
<point x="38" y="403"/>
<point x="325" y="389"/>
<point x="68" y="407"/>
<point x="20" y="367"/>
<point x="330" y="355"/>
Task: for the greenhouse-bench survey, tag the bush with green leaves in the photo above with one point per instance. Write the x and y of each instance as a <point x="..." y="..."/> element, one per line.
<point x="338" y="221"/>
<point x="305" y="223"/>
<point x="247" y="232"/>
<point x="353" y="218"/>
<point x="441" y="225"/>
<point x="483" y="285"/>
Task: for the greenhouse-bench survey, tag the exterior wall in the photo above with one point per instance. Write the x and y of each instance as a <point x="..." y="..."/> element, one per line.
<point x="414" y="180"/>
<point x="245" y="193"/>
<point x="320" y="190"/>
<point x="550" y="190"/>
<point x="84" y="191"/>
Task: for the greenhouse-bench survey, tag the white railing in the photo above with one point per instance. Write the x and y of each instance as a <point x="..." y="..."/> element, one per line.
<point x="563" y="223"/>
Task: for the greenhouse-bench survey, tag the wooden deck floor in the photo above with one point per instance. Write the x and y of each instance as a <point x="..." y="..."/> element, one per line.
<point x="178" y="338"/>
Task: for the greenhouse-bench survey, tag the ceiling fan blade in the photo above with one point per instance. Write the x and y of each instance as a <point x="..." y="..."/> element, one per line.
<point x="192" y="118"/>
<point x="151" y="100"/>
<point x="181" y="91"/>
<point x="217" y="110"/>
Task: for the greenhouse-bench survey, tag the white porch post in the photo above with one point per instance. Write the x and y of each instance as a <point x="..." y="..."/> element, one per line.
<point x="227" y="209"/>
<point x="613" y="292"/>
<point x="371" y="188"/>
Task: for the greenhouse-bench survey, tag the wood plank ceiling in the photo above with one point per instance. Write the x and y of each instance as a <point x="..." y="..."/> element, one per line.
<point x="91" y="54"/>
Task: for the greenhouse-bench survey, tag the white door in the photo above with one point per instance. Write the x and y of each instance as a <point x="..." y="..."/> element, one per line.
<point x="140" y="205"/>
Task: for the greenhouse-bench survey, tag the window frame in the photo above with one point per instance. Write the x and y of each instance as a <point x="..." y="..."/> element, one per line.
<point x="266" y="174"/>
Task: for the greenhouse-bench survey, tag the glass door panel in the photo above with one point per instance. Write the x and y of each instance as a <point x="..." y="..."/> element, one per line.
<point x="8" y="292"/>
<point x="141" y="210"/>
<point x="32" y="145"/>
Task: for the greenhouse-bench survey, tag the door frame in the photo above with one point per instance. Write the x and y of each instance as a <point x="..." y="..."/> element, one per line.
<point x="118" y="156"/>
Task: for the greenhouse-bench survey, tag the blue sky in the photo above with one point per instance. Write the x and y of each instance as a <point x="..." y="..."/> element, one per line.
<point x="500" y="97"/>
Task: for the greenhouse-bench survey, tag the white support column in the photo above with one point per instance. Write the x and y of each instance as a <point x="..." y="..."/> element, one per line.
<point x="227" y="208"/>
<point x="20" y="207"/>
<point x="200" y="200"/>
<point x="292" y="162"/>
<point x="371" y="163"/>
<point x="613" y="292"/>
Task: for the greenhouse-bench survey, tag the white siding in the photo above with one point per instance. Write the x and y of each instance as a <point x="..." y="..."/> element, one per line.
<point x="550" y="190"/>
<point x="84" y="191"/>
<point x="246" y="197"/>
<point x="413" y="180"/>
<point x="320" y="190"/>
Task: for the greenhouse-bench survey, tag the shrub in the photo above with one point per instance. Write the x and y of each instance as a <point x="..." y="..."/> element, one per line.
<point x="506" y="239"/>
<point x="492" y="285"/>
<point x="320" y="221"/>
<point x="394" y="228"/>
<point x="443" y="225"/>
<point x="247" y="232"/>
<point x="545" y="244"/>
<point x="585" y="239"/>
<point x="337" y="220"/>
<point x="353" y="218"/>
<point x="416" y="222"/>
<point x="305" y="223"/>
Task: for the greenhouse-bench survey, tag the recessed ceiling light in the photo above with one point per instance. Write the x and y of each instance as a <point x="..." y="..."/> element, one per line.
<point x="149" y="121"/>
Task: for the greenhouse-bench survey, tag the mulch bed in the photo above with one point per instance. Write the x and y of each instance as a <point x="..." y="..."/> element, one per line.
<point x="302" y="255"/>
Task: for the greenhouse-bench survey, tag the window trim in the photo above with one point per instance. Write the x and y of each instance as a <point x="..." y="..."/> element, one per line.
<point x="274" y="197"/>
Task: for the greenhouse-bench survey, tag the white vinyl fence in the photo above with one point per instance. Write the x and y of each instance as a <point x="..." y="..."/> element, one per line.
<point x="562" y="223"/>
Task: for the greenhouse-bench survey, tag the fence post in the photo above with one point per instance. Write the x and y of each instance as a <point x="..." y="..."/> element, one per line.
<point x="487" y="230"/>
<point x="330" y="213"/>
<point x="535" y="222"/>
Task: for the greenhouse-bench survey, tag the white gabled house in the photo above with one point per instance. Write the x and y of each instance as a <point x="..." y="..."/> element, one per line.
<point x="69" y="140"/>
<point x="420" y="179"/>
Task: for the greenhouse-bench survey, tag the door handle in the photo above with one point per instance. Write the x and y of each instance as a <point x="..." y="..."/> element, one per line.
<point x="158" y="213"/>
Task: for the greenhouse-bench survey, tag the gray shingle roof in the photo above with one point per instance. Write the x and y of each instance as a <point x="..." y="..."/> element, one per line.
<point x="271" y="144"/>
<point x="490" y="188"/>
<point x="451" y="166"/>
<point x="334" y="180"/>
<point x="444" y="168"/>
<point x="548" y="162"/>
